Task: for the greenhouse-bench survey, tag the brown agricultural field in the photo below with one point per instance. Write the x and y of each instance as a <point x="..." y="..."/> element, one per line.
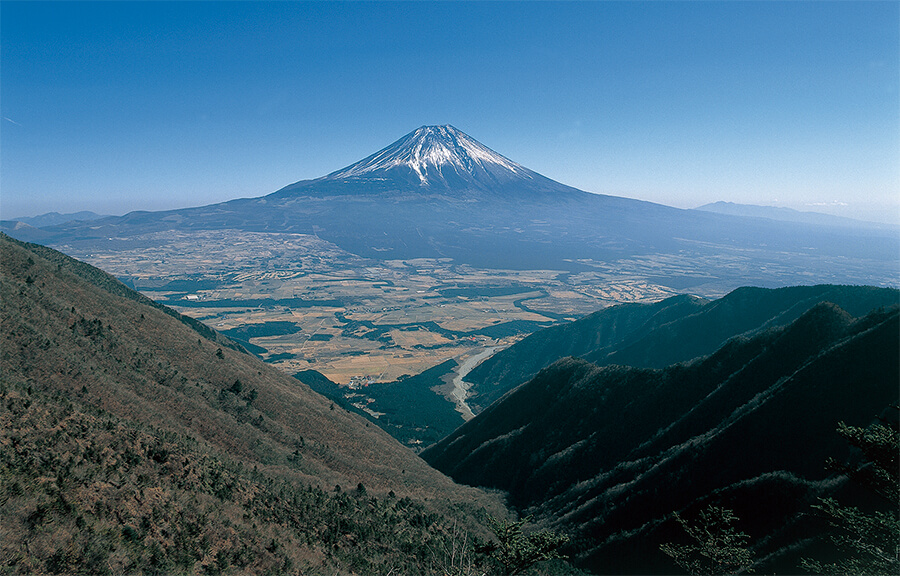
<point x="352" y="316"/>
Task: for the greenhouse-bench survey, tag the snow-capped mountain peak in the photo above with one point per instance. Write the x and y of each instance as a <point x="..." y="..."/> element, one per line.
<point x="439" y="156"/>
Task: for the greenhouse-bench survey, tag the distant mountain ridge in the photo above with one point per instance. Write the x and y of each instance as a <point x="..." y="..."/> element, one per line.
<point x="608" y="453"/>
<point x="29" y="228"/>
<point x="656" y="335"/>
<point x="54" y="218"/>
<point x="789" y="215"/>
<point x="439" y="193"/>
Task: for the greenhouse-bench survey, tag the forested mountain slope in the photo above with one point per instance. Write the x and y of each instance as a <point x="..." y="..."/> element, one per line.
<point x="656" y="335"/>
<point x="609" y="452"/>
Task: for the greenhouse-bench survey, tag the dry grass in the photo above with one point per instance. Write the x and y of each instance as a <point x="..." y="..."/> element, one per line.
<point x="72" y="341"/>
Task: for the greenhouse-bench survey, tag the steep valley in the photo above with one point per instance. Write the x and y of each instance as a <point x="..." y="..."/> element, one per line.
<point x="144" y="442"/>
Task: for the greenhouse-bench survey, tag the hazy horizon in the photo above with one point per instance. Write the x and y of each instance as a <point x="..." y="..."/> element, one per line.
<point x="116" y="107"/>
<point x="887" y="220"/>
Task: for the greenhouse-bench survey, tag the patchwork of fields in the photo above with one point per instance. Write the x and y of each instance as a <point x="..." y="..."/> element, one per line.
<point x="302" y="303"/>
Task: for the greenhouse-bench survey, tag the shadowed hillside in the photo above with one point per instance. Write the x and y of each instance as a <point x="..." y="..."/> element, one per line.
<point x="663" y="333"/>
<point x="609" y="452"/>
<point x="136" y="440"/>
<point x="408" y="409"/>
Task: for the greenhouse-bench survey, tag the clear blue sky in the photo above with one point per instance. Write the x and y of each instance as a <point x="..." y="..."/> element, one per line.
<point x="113" y="107"/>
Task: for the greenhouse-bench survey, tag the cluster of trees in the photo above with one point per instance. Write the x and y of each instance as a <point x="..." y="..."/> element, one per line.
<point x="867" y="542"/>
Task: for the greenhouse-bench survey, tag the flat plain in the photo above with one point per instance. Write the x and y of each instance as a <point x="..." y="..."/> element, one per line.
<point x="302" y="303"/>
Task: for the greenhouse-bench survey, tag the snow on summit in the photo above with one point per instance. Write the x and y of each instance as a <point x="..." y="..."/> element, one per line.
<point x="438" y="155"/>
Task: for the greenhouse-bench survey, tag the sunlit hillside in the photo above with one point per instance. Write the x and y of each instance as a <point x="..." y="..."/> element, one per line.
<point x="134" y="442"/>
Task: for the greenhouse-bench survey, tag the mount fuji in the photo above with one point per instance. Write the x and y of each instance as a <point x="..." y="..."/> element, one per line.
<point x="438" y="161"/>
<point x="439" y="193"/>
<point x="441" y="156"/>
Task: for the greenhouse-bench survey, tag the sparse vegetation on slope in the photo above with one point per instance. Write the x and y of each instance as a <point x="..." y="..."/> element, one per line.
<point x="62" y="334"/>
<point x="133" y="443"/>
<point x="84" y="492"/>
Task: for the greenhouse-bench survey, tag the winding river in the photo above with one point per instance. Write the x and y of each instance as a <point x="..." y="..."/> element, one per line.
<point x="461" y="387"/>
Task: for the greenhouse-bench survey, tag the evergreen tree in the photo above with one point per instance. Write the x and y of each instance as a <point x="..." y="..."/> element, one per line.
<point x="870" y="542"/>
<point x="717" y="547"/>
